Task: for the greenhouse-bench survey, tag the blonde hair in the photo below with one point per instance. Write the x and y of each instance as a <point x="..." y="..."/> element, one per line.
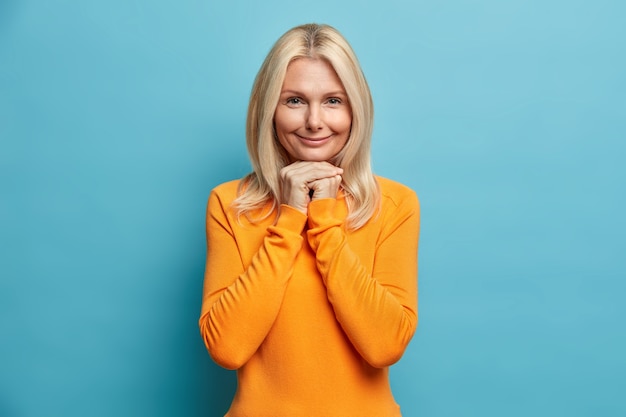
<point x="267" y="155"/>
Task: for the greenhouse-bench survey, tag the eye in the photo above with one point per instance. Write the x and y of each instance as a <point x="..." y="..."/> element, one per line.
<point x="294" y="101"/>
<point x="334" y="101"/>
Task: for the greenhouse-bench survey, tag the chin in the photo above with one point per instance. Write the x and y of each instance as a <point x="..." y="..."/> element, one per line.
<point x="315" y="157"/>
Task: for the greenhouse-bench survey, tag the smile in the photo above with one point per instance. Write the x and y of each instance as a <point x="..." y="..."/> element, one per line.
<point x="314" y="141"/>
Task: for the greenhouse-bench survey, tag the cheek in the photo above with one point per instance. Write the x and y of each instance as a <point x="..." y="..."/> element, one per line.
<point x="285" y="121"/>
<point x="343" y="123"/>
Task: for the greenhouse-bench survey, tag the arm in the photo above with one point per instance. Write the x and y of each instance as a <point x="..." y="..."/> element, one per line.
<point x="378" y="312"/>
<point x="240" y="302"/>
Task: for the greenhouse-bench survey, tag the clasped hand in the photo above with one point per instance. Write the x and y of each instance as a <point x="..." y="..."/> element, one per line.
<point x="304" y="181"/>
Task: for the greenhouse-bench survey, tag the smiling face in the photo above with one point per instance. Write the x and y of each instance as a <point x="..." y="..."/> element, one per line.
<point x="313" y="116"/>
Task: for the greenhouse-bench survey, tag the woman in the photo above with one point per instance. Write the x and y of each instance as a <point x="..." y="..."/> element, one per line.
<point x="311" y="275"/>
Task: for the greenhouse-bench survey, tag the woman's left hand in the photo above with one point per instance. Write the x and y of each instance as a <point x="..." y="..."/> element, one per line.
<point x="304" y="181"/>
<point x="325" y="187"/>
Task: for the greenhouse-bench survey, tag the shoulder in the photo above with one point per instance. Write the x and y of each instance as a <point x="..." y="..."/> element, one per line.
<point x="396" y="194"/>
<point x="223" y="195"/>
<point x="227" y="190"/>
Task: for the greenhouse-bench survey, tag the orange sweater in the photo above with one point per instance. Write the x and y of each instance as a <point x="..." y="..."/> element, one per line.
<point x="311" y="315"/>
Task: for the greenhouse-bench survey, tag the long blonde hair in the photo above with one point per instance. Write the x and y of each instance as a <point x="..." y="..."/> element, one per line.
<point x="267" y="155"/>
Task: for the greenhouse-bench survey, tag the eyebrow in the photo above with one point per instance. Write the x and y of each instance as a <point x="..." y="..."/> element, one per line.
<point x="297" y="93"/>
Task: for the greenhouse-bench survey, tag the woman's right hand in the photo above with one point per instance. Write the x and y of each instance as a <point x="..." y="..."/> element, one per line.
<point x="299" y="178"/>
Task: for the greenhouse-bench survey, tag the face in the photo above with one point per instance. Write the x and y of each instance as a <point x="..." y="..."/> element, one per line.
<point x="313" y="116"/>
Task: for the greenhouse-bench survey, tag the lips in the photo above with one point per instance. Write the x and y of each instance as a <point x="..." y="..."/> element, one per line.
<point x="314" y="141"/>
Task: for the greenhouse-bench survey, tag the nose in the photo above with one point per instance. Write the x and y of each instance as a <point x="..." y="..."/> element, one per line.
<point x="313" y="118"/>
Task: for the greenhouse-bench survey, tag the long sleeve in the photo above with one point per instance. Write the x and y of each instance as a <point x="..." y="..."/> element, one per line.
<point x="377" y="310"/>
<point x="311" y="316"/>
<point x="240" y="302"/>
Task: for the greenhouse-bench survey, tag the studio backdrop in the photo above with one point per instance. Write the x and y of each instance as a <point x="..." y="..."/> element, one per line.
<point x="508" y="119"/>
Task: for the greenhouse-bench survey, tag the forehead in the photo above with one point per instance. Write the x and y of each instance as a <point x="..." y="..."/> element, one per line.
<point x="311" y="73"/>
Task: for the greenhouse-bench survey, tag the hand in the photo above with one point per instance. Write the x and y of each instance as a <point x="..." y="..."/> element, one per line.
<point x="301" y="177"/>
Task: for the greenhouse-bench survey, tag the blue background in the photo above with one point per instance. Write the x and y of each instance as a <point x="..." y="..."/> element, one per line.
<point x="507" y="117"/>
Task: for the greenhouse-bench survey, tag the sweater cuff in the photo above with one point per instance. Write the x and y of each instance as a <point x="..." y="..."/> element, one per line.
<point x="291" y="219"/>
<point x="321" y="214"/>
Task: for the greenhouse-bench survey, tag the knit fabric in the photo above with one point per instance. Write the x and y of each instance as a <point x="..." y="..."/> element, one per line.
<point x="310" y="314"/>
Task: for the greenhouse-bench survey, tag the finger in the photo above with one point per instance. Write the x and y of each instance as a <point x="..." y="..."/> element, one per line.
<point x="326" y="182"/>
<point x="326" y="187"/>
<point x="309" y="171"/>
<point x="304" y="166"/>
